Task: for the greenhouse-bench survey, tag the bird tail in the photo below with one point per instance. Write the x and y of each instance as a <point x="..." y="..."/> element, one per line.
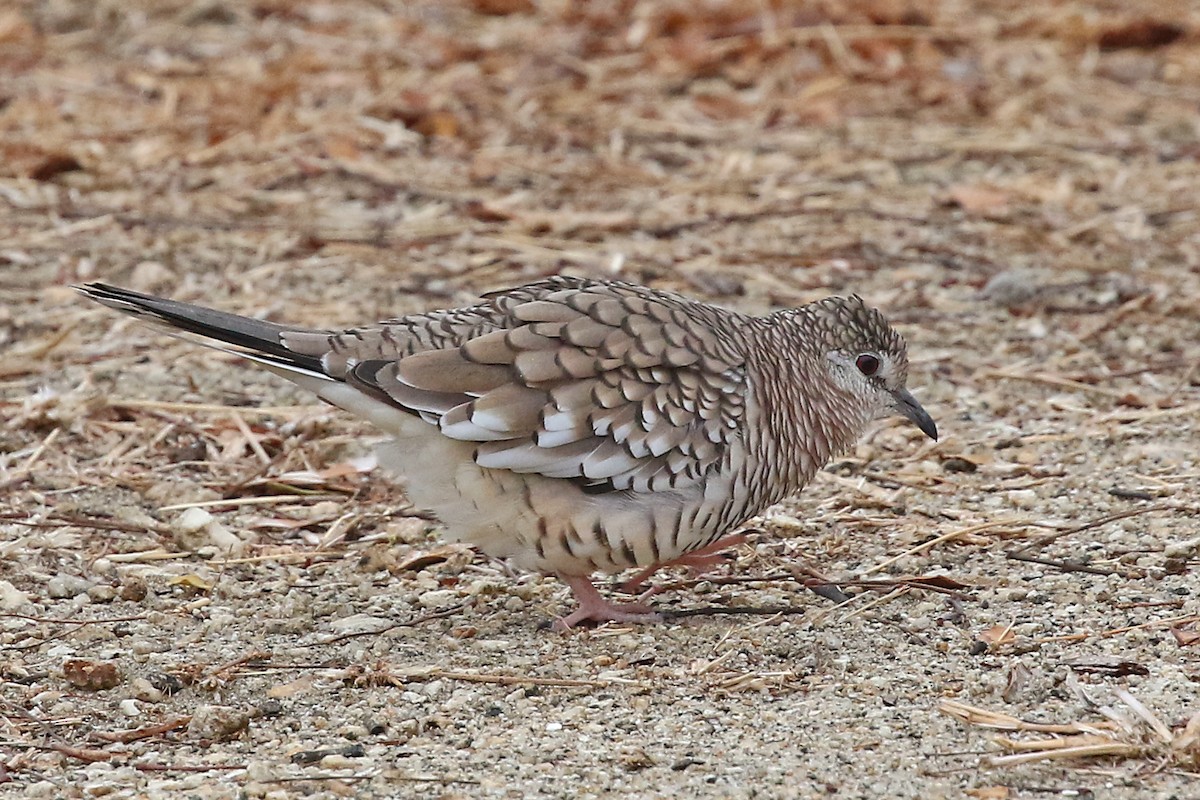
<point x="250" y="338"/>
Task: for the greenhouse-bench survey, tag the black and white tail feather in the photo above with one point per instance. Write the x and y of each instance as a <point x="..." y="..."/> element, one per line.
<point x="253" y="339"/>
<point x="258" y="341"/>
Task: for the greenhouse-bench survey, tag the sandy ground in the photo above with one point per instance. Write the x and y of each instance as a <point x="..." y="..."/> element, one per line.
<point x="206" y="591"/>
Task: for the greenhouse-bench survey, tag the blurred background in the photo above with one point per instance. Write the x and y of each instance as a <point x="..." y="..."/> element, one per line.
<point x="1016" y="185"/>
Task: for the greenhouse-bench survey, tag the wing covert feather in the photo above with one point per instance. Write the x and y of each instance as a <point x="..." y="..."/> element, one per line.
<point x="602" y="382"/>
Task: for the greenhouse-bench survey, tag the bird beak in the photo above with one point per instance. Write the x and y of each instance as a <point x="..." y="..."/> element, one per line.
<point x="908" y="407"/>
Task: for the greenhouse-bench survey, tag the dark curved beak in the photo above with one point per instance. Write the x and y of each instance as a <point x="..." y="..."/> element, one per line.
<point x="908" y="407"/>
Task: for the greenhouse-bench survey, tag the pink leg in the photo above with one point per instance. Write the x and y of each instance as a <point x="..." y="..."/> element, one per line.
<point x="594" y="608"/>
<point x="699" y="561"/>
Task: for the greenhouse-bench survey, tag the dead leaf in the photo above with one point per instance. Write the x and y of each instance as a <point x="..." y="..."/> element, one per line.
<point x="1107" y="665"/>
<point x="1018" y="679"/>
<point x="502" y="8"/>
<point x="342" y="148"/>
<point x="978" y="200"/>
<point x="355" y="466"/>
<point x="296" y="482"/>
<point x="722" y="106"/>
<point x="191" y="582"/>
<point x="484" y="211"/>
<point x="1131" y="400"/>
<point x="1187" y="743"/>
<point x="288" y="523"/>
<point x="1142" y="33"/>
<point x="437" y="123"/>
<point x="94" y="676"/>
<point x="419" y="561"/>
<point x="14" y="27"/>
<point x="997" y="635"/>
<point x="296" y="687"/>
<point x="937" y="581"/>
<point x="53" y="165"/>
<point x="990" y="793"/>
<point x="1185" y="638"/>
<point x="886" y="55"/>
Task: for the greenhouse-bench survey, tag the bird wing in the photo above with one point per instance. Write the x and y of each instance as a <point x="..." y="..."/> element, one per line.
<point x="610" y="384"/>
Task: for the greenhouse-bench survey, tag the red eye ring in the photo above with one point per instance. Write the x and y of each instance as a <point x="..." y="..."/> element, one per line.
<point x="867" y="363"/>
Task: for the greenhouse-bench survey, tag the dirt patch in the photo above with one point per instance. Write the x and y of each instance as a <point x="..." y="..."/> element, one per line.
<point x="206" y="589"/>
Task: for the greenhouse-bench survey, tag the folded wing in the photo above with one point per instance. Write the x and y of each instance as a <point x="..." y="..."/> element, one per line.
<point x="598" y="382"/>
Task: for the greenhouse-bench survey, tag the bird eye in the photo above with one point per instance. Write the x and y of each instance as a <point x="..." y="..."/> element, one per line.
<point x="867" y="364"/>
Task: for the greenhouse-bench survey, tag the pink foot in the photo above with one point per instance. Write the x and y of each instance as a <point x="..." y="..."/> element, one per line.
<point x="698" y="561"/>
<point x="594" y="608"/>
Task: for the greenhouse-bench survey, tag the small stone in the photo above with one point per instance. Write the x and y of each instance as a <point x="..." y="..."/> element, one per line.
<point x="129" y="707"/>
<point x="270" y="708"/>
<point x="133" y="589"/>
<point x="217" y="722"/>
<point x="150" y="276"/>
<point x="143" y="647"/>
<point x="958" y="464"/>
<point x="635" y="760"/>
<point x="1012" y="287"/>
<point x="41" y="789"/>
<point x="47" y="698"/>
<point x="102" y="594"/>
<point x="437" y="598"/>
<point x="145" y="691"/>
<point x="12" y="598"/>
<point x="1184" y="548"/>
<point x="1023" y="498"/>
<point x="225" y="540"/>
<point x="196" y="529"/>
<point x="494" y="645"/>
<point x="193" y="520"/>
<point x="354" y="732"/>
<point x="64" y="708"/>
<point x="359" y="623"/>
<point x="260" y="771"/>
<point x="63" y="586"/>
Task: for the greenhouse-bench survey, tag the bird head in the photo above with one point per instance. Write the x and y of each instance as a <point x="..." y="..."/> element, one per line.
<point x="867" y="359"/>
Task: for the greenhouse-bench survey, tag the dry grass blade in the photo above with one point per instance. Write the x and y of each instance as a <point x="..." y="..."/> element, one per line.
<point x="946" y="537"/>
<point x="984" y="718"/>
<point x="1187" y="744"/>
<point x="1066" y="749"/>
<point x="1146" y="715"/>
<point x="1117" y="737"/>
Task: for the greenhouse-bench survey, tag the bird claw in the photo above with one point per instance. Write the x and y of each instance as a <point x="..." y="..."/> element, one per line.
<point x="611" y="612"/>
<point x="594" y="608"/>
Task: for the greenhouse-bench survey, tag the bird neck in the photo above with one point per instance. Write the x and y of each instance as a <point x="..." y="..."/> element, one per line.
<point x="805" y="417"/>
